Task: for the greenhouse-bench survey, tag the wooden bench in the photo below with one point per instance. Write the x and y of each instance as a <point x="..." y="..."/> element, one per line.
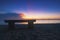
<point x="11" y="23"/>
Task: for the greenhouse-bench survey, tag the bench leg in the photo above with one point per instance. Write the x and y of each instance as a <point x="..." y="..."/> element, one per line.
<point x="30" y="24"/>
<point x="11" y="25"/>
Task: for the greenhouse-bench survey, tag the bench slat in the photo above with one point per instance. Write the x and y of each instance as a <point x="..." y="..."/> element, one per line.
<point x="19" y="20"/>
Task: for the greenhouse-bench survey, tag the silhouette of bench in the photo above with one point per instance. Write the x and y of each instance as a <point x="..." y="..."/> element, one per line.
<point x="11" y="23"/>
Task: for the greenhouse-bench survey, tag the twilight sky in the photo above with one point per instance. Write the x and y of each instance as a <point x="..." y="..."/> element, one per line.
<point x="31" y="8"/>
<point x="38" y="8"/>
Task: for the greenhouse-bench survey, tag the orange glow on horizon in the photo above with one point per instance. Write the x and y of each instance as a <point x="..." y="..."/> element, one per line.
<point x="24" y="16"/>
<point x="40" y="18"/>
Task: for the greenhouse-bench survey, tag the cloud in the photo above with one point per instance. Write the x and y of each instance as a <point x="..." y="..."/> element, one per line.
<point x="9" y="16"/>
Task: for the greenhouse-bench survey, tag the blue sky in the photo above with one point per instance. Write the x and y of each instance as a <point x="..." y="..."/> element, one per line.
<point x="30" y="5"/>
<point x="11" y="5"/>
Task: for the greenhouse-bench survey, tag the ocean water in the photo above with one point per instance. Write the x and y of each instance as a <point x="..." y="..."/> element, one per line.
<point x="37" y="22"/>
<point x="43" y="22"/>
<point x="47" y="21"/>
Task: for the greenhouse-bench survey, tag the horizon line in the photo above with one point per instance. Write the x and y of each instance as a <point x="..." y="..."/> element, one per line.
<point x="34" y="19"/>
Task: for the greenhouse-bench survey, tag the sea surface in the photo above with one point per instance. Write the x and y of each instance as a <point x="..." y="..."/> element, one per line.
<point x="37" y="22"/>
<point x="39" y="32"/>
<point x="47" y="21"/>
<point x="43" y="22"/>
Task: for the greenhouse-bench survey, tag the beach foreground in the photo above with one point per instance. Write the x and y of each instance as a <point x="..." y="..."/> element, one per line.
<point x="39" y="32"/>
